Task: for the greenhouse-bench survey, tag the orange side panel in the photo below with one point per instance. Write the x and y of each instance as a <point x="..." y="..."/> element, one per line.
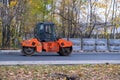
<point x="50" y="46"/>
<point x="64" y="43"/>
<point x="32" y="43"/>
<point x="38" y="48"/>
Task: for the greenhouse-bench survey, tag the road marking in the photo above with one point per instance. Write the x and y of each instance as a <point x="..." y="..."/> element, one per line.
<point x="59" y="62"/>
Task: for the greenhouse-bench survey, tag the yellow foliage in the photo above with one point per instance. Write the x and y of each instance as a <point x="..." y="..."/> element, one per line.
<point x="30" y="1"/>
<point x="116" y="21"/>
<point x="100" y="5"/>
<point x="13" y="3"/>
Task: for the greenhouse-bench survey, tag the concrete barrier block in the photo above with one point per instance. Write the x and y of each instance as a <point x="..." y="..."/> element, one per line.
<point x="101" y="48"/>
<point x="88" y="48"/>
<point x="76" y="48"/>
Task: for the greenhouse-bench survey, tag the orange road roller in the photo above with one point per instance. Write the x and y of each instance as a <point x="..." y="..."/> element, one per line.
<point x="45" y="39"/>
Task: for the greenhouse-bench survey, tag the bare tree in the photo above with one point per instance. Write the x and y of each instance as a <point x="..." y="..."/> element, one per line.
<point x="7" y="15"/>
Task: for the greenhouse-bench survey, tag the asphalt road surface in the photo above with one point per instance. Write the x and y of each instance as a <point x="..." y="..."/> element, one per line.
<point x="17" y="58"/>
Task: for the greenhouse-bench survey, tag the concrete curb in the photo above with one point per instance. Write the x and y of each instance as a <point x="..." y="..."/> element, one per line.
<point x="59" y="62"/>
<point x="74" y="51"/>
<point x="6" y="51"/>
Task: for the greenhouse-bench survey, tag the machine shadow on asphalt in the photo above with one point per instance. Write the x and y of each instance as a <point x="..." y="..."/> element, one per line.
<point x="44" y="54"/>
